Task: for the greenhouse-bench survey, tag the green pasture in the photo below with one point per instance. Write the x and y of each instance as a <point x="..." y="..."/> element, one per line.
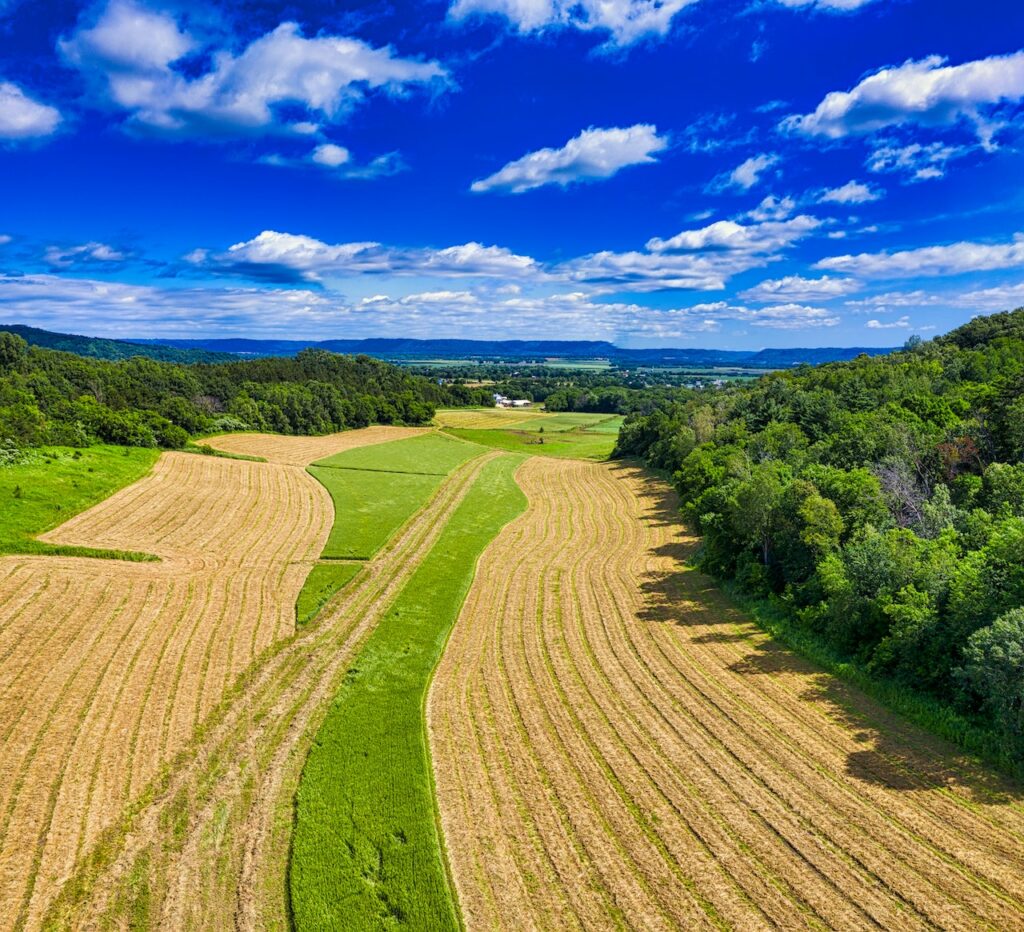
<point x="431" y="454"/>
<point x="323" y="581"/>
<point x="56" y="483"/>
<point x="569" y="444"/>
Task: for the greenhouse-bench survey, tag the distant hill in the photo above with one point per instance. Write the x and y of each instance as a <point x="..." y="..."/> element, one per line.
<point x="100" y="348"/>
<point x="411" y="350"/>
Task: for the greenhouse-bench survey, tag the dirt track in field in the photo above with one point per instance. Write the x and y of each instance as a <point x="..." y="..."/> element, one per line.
<point x="209" y="850"/>
<point x="107" y="667"/>
<point x="616" y="746"/>
<point x="301" y="451"/>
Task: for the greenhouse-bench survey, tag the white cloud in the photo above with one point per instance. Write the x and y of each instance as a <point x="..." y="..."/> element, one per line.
<point x="902" y="324"/>
<point x="1000" y="297"/>
<point x="766" y="237"/>
<point x="916" y="161"/>
<point x="794" y="288"/>
<point x="134" y="49"/>
<point x="331" y="155"/>
<point x="592" y="155"/>
<point x="954" y="259"/>
<point x="626" y="21"/>
<point x="853" y="192"/>
<point x="746" y="175"/>
<point x="772" y="208"/>
<point x="893" y="299"/>
<point x="21" y="117"/>
<point x="791" y="317"/>
<point x="87" y="253"/>
<point x="832" y="6"/>
<point x="287" y="256"/>
<point x="4" y="239"/>
<point x="927" y="93"/>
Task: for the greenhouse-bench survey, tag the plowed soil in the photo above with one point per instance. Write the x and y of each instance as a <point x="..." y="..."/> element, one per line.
<point x="616" y="746"/>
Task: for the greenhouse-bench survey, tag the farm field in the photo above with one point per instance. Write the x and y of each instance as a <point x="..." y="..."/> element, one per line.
<point x="488" y="418"/>
<point x="301" y="451"/>
<point x="107" y="669"/>
<point x="616" y="746"/>
<point x="208" y="846"/>
<point x="367" y="780"/>
<point x="571" y="444"/>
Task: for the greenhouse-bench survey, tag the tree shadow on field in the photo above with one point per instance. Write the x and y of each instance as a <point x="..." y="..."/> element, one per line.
<point x="882" y="748"/>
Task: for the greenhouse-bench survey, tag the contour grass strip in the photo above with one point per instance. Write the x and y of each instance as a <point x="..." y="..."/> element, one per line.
<point x="367" y="851"/>
<point x="369" y="507"/>
<point x="433" y="454"/>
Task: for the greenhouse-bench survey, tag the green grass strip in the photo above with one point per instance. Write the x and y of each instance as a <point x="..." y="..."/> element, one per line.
<point x="370" y="506"/>
<point x="432" y="453"/>
<point x="323" y="581"/>
<point x="57" y="483"/>
<point x="367" y="852"/>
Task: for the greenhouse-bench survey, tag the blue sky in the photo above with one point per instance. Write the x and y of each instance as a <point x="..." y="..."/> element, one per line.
<point x="727" y="173"/>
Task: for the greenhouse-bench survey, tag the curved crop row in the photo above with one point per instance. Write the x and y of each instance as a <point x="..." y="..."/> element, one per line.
<point x="617" y="747"/>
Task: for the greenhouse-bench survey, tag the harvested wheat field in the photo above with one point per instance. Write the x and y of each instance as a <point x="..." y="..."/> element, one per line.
<point x="489" y="418"/>
<point x="208" y="847"/>
<point x="107" y="667"/>
<point x="301" y="451"/>
<point x="616" y="746"/>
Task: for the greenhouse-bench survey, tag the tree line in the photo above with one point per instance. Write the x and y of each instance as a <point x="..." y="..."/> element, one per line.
<point x="49" y="397"/>
<point x="879" y="503"/>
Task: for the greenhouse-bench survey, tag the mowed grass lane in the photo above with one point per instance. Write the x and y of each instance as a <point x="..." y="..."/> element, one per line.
<point x="366" y="850"/>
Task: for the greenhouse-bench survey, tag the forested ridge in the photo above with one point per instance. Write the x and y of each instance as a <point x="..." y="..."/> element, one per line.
<point x="52" y="397"/>
<point x="879" y="505"/>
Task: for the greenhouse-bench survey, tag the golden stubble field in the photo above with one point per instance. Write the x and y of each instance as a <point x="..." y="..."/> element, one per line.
<point x="615" y="746"/>
<point x="107" y="668"/>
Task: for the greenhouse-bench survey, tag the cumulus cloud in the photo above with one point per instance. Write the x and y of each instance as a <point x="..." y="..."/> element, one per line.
<point x="746" y="175"/>
<point x="730" y="235"/>
<point x="21" y="117"/>
<point x="927" y="93"/>
<point x="916" y="161"/>
<point x="701" y="260"/>
<point x="331" y="155"/>
<point x="796" y="289"/>
<point x="853" y="192"/>
<point x="953" y="259"/>
<point x="85" y="254"/>
<point x="136" y="53"/>
<point x="902" y="324"/>
<point x="625" y="21"/>
<point x="289" y="257"/>
<point x="772" y="208"/>
<point x="791" y="317"/>
<point x="593" y="154"/>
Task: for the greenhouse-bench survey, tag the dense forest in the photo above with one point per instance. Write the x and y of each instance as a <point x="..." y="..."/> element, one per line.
<point x="52" y="397"/>
<point x="879" y="505"/>
<point x="102" y="348"/>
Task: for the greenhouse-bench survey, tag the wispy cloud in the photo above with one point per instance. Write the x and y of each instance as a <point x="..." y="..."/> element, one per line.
<point x="625" y="22"/>
<point x="952" y="259"/>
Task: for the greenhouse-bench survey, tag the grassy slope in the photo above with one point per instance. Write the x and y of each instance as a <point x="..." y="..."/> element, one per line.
<point x="568" y="444"/>
<point x="54" y="486"/>
<point x="366" y="849"/>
